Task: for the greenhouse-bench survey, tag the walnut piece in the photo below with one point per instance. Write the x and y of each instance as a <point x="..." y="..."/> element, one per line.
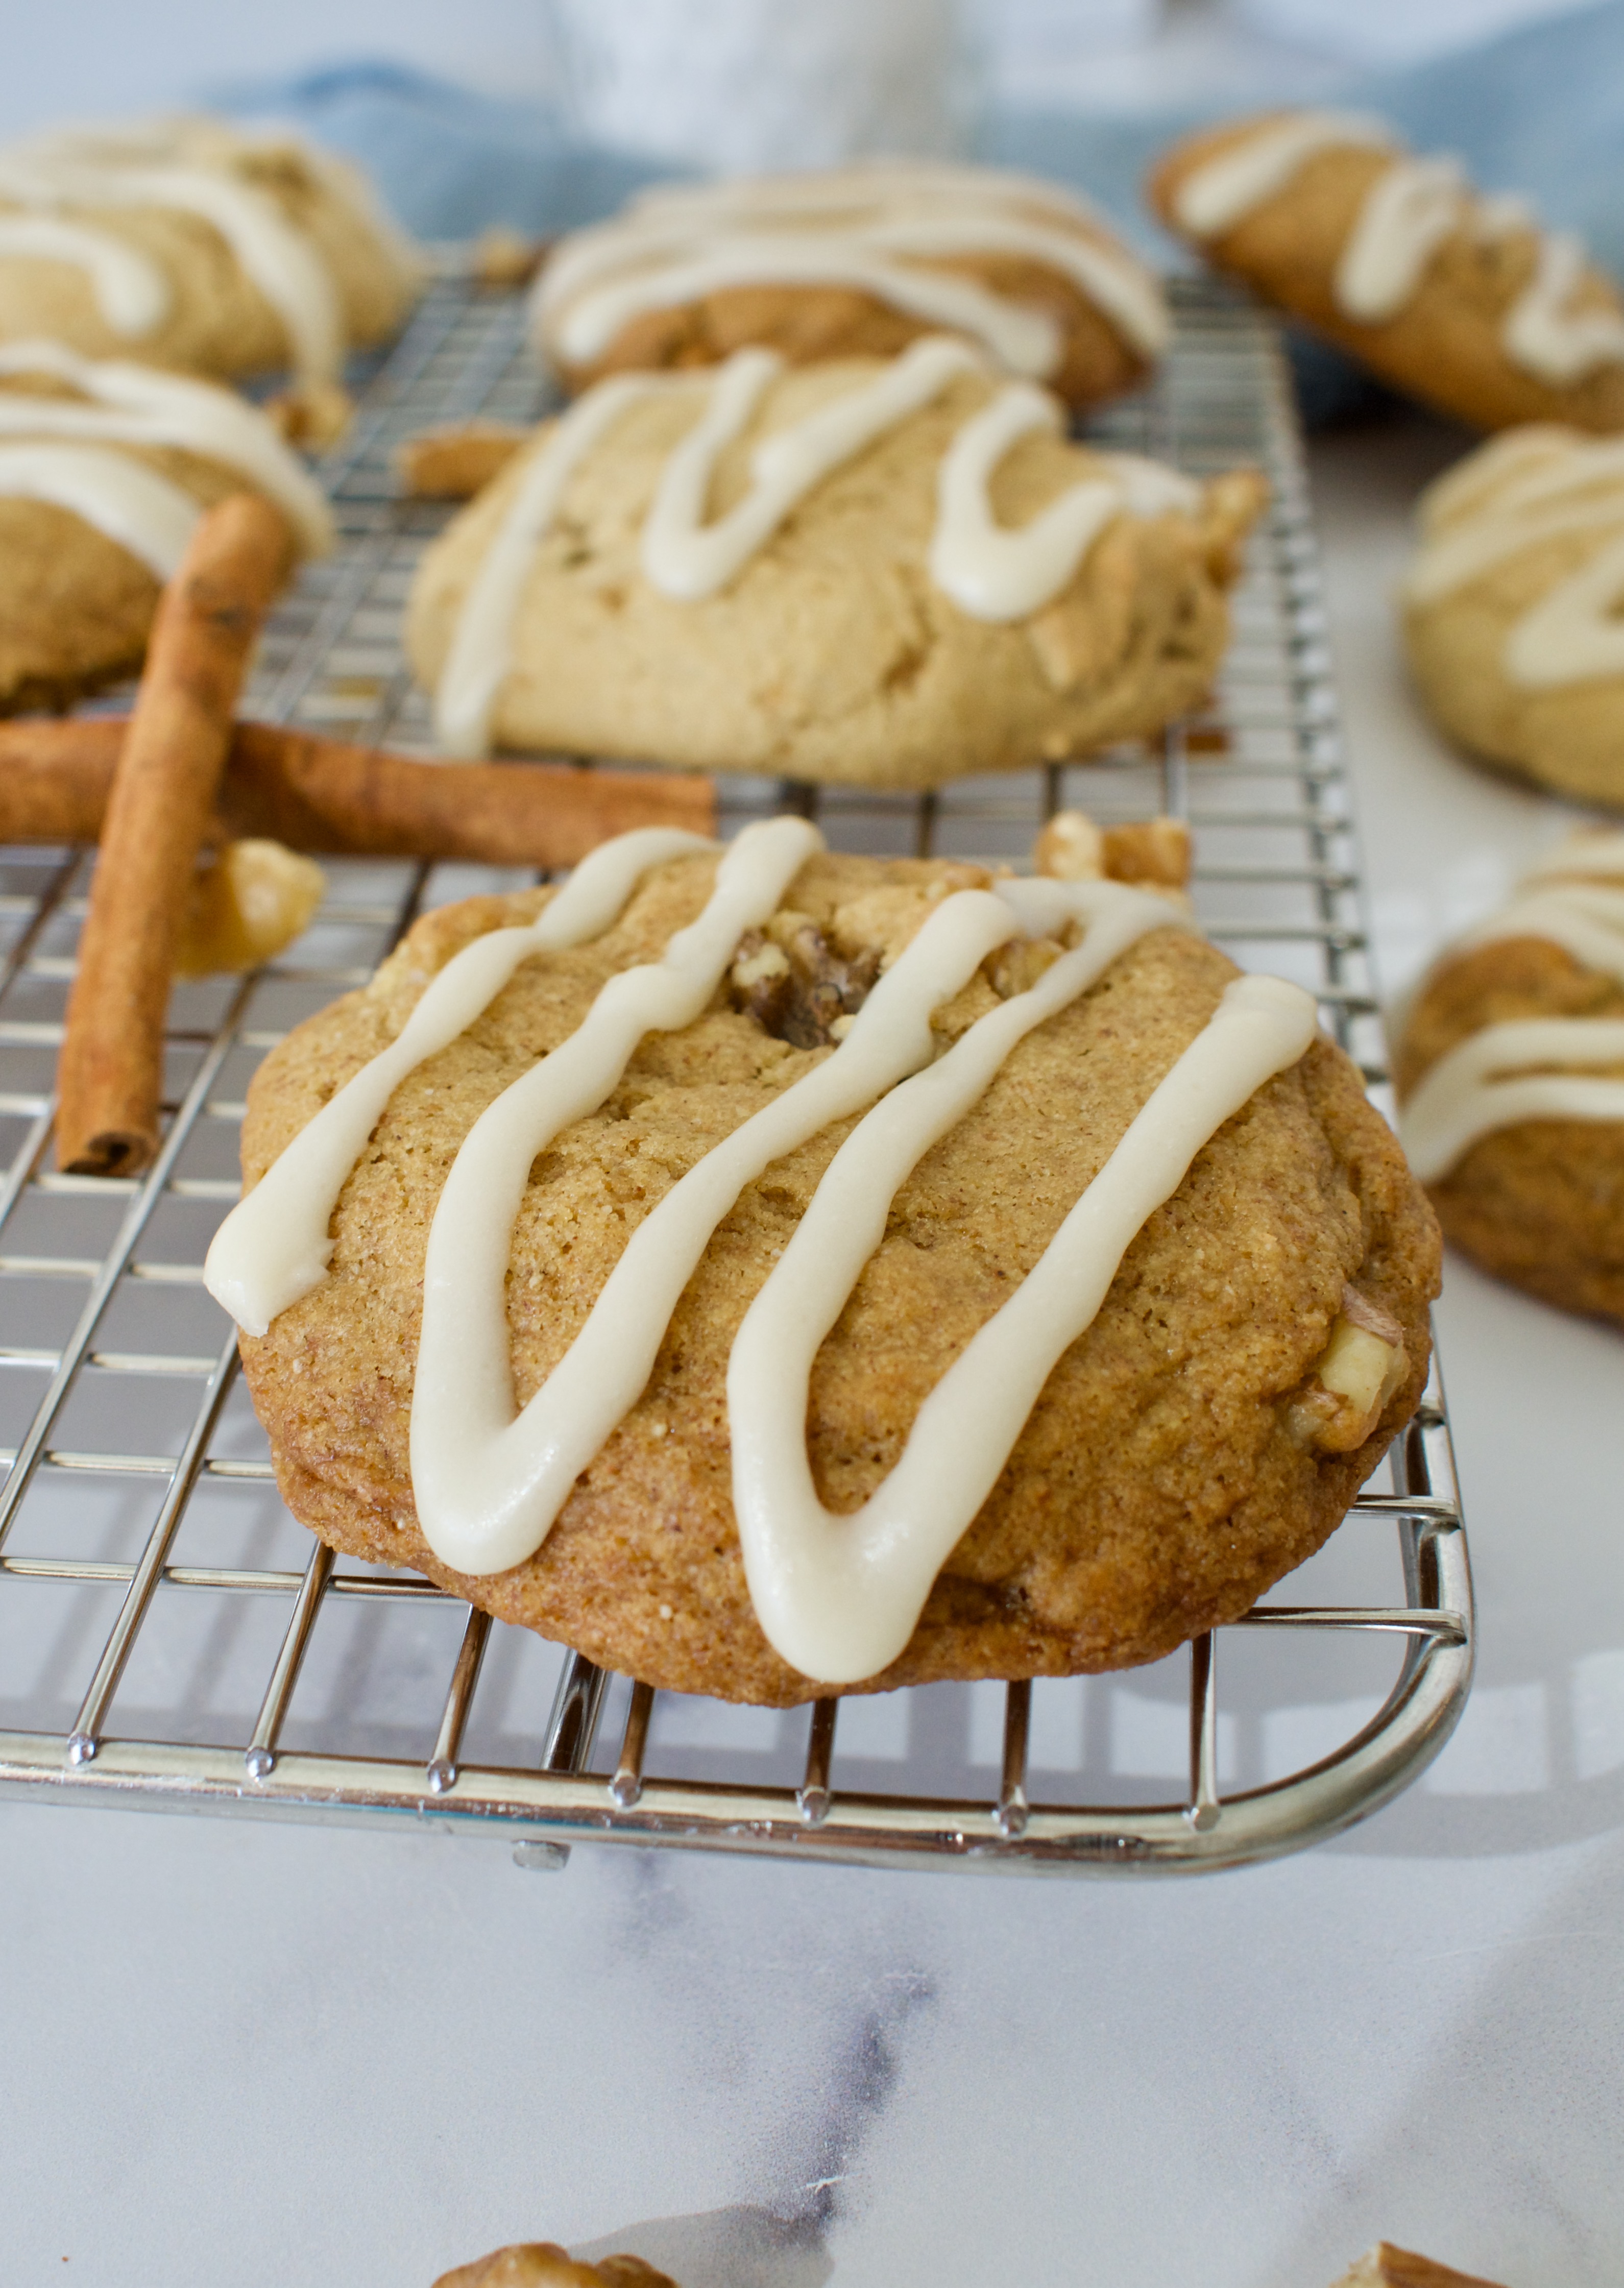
<point x="504" y="258"/>
<point x="1361" y="1366"/>
<point x="543" y="2264"/>
<point x="250" y="900"/>
<point x="1387" y="2267"/>
<point x="1071" y="848"/>
<point x="1154" y="850"/>
<point x="794" y="984"/>
<point x="454" y="464"/>
<point x="314" y="415"/>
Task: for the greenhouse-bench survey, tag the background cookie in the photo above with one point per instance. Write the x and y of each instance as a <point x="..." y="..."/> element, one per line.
<point x="1510" y="1068"/>
<point x="1174" y="1464"/>
<point x="857" y="262"/>
<point x="1462" y="302"/>
<point x="189" y="244"/>
<point x="1510" y="607"/>
<point x="832" y="651"/>
<point x="104" y="467"/>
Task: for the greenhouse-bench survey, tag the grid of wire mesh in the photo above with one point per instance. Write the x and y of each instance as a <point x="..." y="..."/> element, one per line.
<point x="168" y="1635"/>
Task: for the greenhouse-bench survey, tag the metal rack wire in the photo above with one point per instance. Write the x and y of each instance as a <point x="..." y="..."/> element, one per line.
<point x="169" y="1637"/>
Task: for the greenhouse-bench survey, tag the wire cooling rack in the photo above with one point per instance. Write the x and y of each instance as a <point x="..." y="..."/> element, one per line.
<point x="170" y="1637"/>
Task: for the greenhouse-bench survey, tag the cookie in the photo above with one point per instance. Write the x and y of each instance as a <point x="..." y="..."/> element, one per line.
<point x="193" y="245"/>
<point x="1510" y="1072"/>
<point x="1510" y="607"/>
<point x="105" y="467"/>
<point x="856" y="262"/>
<point x="829" y="1381"/>
<point x="1459" y="301"/>
<point x="886" y="573"/>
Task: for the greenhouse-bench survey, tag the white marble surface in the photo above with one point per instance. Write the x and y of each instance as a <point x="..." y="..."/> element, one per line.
<point x="248" y="2055"/>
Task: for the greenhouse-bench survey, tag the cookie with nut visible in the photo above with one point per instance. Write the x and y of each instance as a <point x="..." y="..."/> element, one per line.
<point x="1200" y="1439"/>
<point x="886" y="573"/>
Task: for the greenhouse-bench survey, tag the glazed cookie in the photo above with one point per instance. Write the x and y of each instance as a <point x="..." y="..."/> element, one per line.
<point x="1511" y="1070"/>
<point x="105" y="467"/>
<point x="890" y="573"/>
<point x="1510" y="608"/>
<point x="857" y="262"/>
<point x="189" y="244"/>
<point x="1459" y="301"/>
<point x="1041" y="1360"/>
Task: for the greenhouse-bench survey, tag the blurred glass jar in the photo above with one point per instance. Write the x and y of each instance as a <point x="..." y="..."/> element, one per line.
<point x="747" y="86"/>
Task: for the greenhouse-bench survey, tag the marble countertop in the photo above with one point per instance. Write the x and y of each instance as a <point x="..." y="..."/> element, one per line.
<point x="238" y="2053"/>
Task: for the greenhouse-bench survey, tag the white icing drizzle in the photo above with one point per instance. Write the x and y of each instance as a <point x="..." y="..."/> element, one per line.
<point x="489" y="1481"/>
<point x="839" y="1596"/>
<point x="1585" y="918"/>
<point x="992" y="572"/>
<point x="870" y="229"/>
<point x="1467" y="1095"/>
<point x="132" y="504"/>
<point x="481" y="641"/>
<point x="131" y="291"/>
<point x="274" y="1245"/>
<point x="136" y="405"/>
<point x="1595" y="856"/>
<point x="1025" y="340"/>
<point x="995" y="572"/>
<point x="1410" y="209"/>
<point x="1573" y="898"/>
<point x="1545" y="335"/>
<point x="1217" y="194"/>
<point x="686" y="557"/>
<point x="283" y="261"/>
<point x="1407" y="213"/>
<point x="1524" y="490"/>
<point x="472" y="1501"/>
<point x="1573" y="634"/>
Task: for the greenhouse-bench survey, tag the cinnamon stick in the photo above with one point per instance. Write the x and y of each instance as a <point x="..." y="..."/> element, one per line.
<point x="331" y="798"/>
<point x="158" y="810"/>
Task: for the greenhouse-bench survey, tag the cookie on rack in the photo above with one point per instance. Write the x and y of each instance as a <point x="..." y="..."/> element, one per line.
<point x="887" y="573"/>
<point x="105" y="468"/>
<point x="1510" y="1072"/>
<point x="1458" y="300"/>
<point x="829" y="1379"/>
<point x="1510" y="608"/>
<point x="194" y="245"/>
<point x="854" y="262"/>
